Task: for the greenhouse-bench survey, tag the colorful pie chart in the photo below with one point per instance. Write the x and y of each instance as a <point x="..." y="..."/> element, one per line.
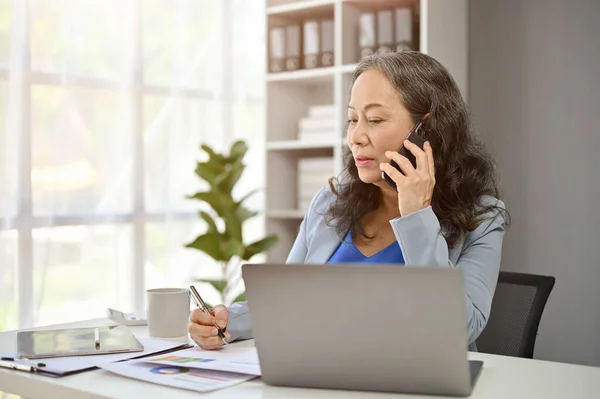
<point x="169" y="370"/>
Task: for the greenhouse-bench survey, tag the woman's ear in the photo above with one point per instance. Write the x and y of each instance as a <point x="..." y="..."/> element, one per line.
<point x="426" y="116"/>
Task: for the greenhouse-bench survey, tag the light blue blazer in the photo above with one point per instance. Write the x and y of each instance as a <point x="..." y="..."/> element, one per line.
<point x="418" y="234"/>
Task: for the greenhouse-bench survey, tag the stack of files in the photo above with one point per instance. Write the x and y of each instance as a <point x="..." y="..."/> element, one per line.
<point x="313" y="174"/>
<point x="193" y="369"/>
<point x="319" y="125"/>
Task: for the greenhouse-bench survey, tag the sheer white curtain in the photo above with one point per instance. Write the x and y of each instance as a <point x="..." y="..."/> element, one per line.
<point x="103" y="106"/>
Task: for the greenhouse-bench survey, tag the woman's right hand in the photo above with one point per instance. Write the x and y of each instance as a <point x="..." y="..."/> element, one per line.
<point x="202" y="327"/>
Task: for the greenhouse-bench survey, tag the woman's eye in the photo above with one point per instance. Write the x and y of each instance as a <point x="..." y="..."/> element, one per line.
<point x="351" y="121"/>
<point x="374" y="121"/>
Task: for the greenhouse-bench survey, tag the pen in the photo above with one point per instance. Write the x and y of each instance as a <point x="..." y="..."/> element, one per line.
<point x="17" y="366"/>
<point x="200" y="303"/>
<point x="97" y="337"/>
<point x="12" y="359"/>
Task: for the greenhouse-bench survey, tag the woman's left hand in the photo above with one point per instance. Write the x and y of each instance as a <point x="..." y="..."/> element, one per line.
<point x="415" y="186"/>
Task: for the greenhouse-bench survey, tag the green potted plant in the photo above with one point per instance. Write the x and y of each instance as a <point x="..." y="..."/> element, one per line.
<point x="223" y="240"/>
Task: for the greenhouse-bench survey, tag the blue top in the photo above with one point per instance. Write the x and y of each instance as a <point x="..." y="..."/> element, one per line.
<point x="477" y="255"/>
<point x="347" y="252"/>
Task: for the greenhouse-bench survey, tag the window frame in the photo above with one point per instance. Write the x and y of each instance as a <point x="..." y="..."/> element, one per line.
<point x="20" y="78"/>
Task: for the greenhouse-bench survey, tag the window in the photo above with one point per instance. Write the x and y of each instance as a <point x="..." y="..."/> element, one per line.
<point x="103" y="107"/>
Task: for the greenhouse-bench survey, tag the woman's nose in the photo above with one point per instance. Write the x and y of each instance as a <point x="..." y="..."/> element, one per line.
<point x="357" y="135"/>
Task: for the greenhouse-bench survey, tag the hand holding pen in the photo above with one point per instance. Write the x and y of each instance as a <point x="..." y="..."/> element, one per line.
<point x="207" y="326"/>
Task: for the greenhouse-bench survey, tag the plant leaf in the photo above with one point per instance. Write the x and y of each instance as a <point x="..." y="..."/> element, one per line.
<point x="233" y="248"/>
<point x="240" y="298"/>
<point x="228" y="179"/>
<point x="212" y="154"/>
<point x="260" y="246"/>
<point x="214" y="199"/>
<point x="233" y="226"/>
<point x="212" y="226"/>
<point x="238" y="150"/>
<point x="244" y="214"/>
<point x="207" y="172"/>
<point x="245" y="197"/>
<point x="210" y="244"/>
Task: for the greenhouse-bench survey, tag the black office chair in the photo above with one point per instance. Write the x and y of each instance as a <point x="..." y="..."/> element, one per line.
<point x="517" y="308"/>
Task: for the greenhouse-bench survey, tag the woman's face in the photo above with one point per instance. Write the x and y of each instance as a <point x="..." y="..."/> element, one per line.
<point x="377" y="122"/>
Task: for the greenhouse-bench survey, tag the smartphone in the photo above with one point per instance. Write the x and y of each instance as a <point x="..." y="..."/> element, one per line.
<point x="127" y="319"/>
<point x="414" y="136"/>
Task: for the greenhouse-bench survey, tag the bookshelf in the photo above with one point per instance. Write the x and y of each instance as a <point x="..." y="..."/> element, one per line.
<point x="296" y="99"/>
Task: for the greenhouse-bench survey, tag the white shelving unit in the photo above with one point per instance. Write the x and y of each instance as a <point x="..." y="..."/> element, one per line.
<point x="442" y="33"/>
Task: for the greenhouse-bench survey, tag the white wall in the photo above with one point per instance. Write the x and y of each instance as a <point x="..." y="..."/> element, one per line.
<point x="534" y="91"/>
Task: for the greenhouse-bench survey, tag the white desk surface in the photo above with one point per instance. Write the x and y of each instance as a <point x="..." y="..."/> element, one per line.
<point x="502" y="377"/>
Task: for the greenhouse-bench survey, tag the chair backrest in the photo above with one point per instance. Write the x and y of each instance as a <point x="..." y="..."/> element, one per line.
<point x="517" y="308"/>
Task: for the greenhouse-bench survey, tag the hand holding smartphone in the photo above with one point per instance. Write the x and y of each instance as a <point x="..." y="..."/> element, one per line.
<point x="414" y="136"/>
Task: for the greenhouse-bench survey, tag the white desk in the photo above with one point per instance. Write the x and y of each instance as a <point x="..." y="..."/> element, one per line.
<point x="502" y="377"/>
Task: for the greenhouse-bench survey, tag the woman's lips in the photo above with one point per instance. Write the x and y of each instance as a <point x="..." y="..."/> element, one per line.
<point x="362" y="161"/>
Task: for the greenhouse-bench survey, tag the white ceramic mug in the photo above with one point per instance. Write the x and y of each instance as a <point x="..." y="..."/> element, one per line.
<point x="168" y="312"/>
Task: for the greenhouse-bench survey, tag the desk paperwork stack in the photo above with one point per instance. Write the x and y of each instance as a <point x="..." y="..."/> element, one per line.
<point x="165" y="362"/>
<point x="193" y="369"/>
<point x="66" y="365"/>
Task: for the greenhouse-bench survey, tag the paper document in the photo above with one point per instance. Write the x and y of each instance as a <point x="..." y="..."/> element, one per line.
<point x="70" y="364"/>
<point x="232" y="359"/>
<point x="177" y="377"/>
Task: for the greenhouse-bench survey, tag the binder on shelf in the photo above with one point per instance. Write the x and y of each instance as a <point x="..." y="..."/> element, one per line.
<point x="276" y="49"/>
<point x="385" y="31"/>
<point x="367" y="34"/>
<point x="310" y="42"/>
<point x="327" y="42"/>
<point x="293" y="40"/>
<point x="403" y="28"/>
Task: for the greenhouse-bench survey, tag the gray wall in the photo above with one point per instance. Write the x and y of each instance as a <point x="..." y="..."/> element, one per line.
<point x="534" y="91"/>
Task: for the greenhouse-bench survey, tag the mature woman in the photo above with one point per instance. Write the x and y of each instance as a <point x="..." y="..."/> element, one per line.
<point x="444" y="212"/>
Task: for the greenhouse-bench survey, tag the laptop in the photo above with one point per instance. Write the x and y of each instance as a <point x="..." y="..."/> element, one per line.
<point x="383" y="328"/>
